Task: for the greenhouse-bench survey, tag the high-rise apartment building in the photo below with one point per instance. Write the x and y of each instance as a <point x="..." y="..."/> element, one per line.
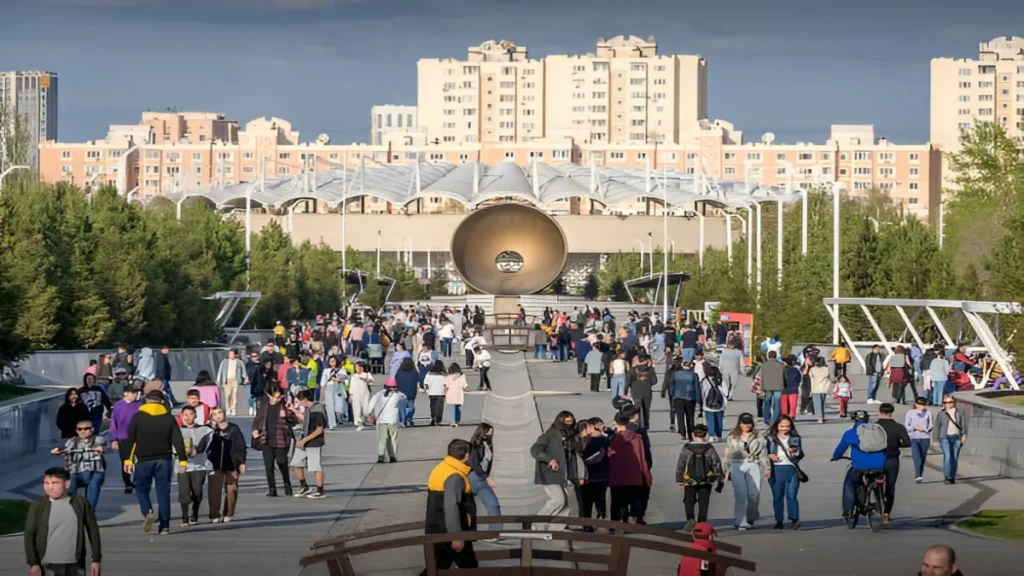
<point x="987" y="89"/>
<point x="624" y="93"/>
<point x="32" y="97"/>
<point x="392" y="121"/>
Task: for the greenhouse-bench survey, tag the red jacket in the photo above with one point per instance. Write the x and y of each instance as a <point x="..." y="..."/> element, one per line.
<point x="627" y="465"/>
<point x="202" y="416"/>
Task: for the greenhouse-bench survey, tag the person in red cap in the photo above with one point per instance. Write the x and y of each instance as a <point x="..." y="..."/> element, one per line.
<point x="703" y="540"/>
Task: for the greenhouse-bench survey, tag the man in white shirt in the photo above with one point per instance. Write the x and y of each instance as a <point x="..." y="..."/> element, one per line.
<point x="475" y="341"/>
<point x="482" y="361"/>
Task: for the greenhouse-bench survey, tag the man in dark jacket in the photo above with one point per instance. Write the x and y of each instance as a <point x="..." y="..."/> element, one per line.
<point x="451" y="507"/>
<point x="162" y="371"/>
<point x="257" y="386"/>
<point x="773" y="382"/>
<point x="640" y="382"/>
<point x="552" y="468"/>
<point x="873" y="364"/>
<point x="56" y="528"/>
<point x="153" y="436"/>
<point x="685" y="391"/>
<point x="595" y="458"/>
<point x="629" y="475"/>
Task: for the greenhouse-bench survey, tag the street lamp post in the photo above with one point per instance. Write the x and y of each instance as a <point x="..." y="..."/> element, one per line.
<point x="700" y="249"/>
<point x="837" y="189"/>
<point x="759" y="240"/>
<point x="8" y="171"/>
<point x="664" y="247"/>
<point x="378" y="252"/>
<point x="650" y="246"/>
<point x="750" y="245"/>
<point x="641" y="243"/>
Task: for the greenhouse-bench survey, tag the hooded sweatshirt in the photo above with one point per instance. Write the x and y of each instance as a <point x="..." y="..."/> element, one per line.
<point x="627" y="465"/>
<point x="121" y="417"/>
<point x="154" y="435"/>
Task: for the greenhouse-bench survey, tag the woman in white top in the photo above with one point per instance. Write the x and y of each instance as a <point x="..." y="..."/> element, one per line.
<point x="618" y="368"/>
<point x="359" y="394"/>
<point x="332" y="386"/>
<point x="785" y="450"/>
<point x="434" y="383"/>
<point x="821" y="385"/>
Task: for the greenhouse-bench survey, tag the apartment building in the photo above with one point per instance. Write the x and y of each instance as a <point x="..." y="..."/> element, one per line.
<point x="624" y="92"/>
<point x="989" y="88"/>
<point x="32" y="96"/>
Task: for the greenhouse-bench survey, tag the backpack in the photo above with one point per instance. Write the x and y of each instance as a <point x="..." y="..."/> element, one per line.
<point x="699" y="470"/>
<point x="715" y="400"/>
<point x="871" y="437"/>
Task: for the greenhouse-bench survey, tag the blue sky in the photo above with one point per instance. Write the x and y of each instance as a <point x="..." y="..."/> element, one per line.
<point x="790" y="66"/>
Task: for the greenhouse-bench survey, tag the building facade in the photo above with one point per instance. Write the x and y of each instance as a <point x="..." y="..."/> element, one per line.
<point x="32" y="97"/>
<point x="392" y="122"/>
<point x="623" y="93"/>
<point x="989" y="88"/>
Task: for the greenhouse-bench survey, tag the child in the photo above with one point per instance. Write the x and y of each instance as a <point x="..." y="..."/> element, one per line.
<point x="697" y="469"/>
<point x="844" y="393"/>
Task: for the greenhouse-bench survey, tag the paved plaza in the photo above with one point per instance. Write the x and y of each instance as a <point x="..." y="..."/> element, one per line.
<point x="269" y="535"/>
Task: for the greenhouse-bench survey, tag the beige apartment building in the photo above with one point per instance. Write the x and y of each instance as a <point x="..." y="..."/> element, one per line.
<point x="156" y="164"/>
<point x="623" y="93"/>
<point x="989" y="88"/>
<point x="393" y="123"/>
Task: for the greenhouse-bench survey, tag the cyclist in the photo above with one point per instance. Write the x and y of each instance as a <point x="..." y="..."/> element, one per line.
<point x="861" y="461"/>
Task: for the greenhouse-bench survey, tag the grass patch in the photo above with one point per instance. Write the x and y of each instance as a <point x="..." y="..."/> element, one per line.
<point x="1015" y="400"/>
<point x="10" y="391"/>
<point x="12" y="516"/>
<point x="1004" y="524"/>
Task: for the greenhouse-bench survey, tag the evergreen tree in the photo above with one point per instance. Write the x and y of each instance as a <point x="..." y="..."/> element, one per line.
<point x="618" y="291"/>
<point x="590" y="289"/>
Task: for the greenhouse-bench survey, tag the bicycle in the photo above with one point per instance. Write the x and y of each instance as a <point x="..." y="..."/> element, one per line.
<point x="868" y="499"/>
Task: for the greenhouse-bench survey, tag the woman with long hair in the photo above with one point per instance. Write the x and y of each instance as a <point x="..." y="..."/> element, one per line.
<point x="359" y="392"/>
<point x="455" y="386"/>
<point x="821" y="385"/>
<point x="70" y="413"/>
<point x="746" y="454"/>
<point x="407" y="380"/>
<point x="334" y="396"/>
<point x="227" y="455"/>
<point x="434" y="382"/>
<point x="481" y="461"/>
<point x="550" y="453"/>
<point x="209" y="392"/>
<point x="785" y="450"/>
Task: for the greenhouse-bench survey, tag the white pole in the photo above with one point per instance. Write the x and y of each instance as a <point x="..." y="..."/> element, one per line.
<point x="803" y="223"/>
<point x="759" y="239"/>
<point x="428" y="264"/>
<point x="291" y="221"/>
<point x="728" y="237"/>
<point x="750" y="245"/>
<point x="8" y="171"/>
<point x="178" y="209"/>
<point x="409" y="257"/>
<point x="344" y="211"/>
<point x="700" y="253"/>
<point x="640" y="242"/>
<point x="398" y="249"/>
<point x="378" y="252"/>
<point x="650" y="246"/>
<point x="836" y="197"/>
<point x="664" y="249"/>
<point x="779" y="241"/>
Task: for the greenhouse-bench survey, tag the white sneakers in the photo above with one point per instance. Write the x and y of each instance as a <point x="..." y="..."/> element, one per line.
<point x="873" y="401"/>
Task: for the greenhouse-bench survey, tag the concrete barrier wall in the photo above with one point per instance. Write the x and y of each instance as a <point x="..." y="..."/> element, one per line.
<point x="66" y="367"/>
<point x="995" y="433"/>
<point x="28" y="425"/>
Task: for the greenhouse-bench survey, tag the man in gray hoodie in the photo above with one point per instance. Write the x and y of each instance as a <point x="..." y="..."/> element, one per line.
<point x="730" y="362"/>
<point x="193" y="476"/>
<point x="772" y="382"/>
<point x="640" y="384"/>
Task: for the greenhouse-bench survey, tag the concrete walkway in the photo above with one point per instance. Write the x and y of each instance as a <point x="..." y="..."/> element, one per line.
<point x="269" y="535"/>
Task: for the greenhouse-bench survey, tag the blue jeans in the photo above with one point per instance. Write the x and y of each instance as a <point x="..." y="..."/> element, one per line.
<point x="850" y="484"/>
<point x="618" y="385"/>
<point x="772" y="406"/>
<point x="169" y="392"/>
<point x="688" y="354"/>
<point x="92" y="481"/>
<point x="410" y="410"/>
<point x="539" y="353"/>
<point x="486" y="495"/>
<point x="563" y="352"/>
<point x="873" y="381"/>
<point x="145" y="474"/>
<point x="455" y="412"/>
<point x="446" y="347"/>
<point x="785" y="486"/>
<point x="714" y="420"/>
<point x="937" y="389"/>
<point x="950" y="455"/>
<point x="919" y="449"/>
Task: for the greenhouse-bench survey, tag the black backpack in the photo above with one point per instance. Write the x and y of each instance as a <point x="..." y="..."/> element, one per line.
<point x="715" y="400"/>
<point x="699" y="470"/>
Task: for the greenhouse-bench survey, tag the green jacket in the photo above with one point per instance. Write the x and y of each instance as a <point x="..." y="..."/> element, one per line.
<point x="37" y="528"/>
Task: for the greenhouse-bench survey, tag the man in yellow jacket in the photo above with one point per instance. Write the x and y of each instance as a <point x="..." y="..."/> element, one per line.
<point x="451" y="507"/>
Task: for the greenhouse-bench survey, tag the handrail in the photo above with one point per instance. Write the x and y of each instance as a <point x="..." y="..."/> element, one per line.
<point x="618" y="557"/>
<point x="619" y="527"/>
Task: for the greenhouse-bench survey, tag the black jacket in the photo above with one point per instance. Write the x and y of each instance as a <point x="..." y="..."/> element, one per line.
<point x="68" y="417"/>
<point x="896" y="437"/>
<point x="227" y="448"/>
<point x="37" y="528"/>
<point x="153" y="434"/>
<point x="162" y="367"/>
<point x="595" y="458"/>
<point x="640" y="381"/>
<point x="476" y="456"/>
<point x="869" y="362"/>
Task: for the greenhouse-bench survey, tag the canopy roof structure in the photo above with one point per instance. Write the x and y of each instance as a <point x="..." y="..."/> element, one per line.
<point x="471" y="183"/>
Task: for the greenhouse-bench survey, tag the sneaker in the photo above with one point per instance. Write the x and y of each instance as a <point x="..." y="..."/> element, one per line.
<point x="129" y="490"/>
<point x="185" y="523"/>
<point x="217" y="520"/>
<point x="272" y="494"/>
<point x="195" y="520"/>
<point x="919" y="479"/>
<point x="226" y="519"/>
<point x="671" y="428"/>
<point x="885" y="519"/>
<point x="796" y="524"/>
<point x="317" y="494"/>
<point x="380" y="459"/>
<point x="288" y="490"/>
<point x="147" y="524"/>
<point x="947" y="481"/>
<point x="303" y="492"/>
<point x="743" y="527"/>
<point x="779" y="526"/>
<point x="392" y="460"/>
<point x="688" y="527"/>
<point x="164" y="531"/>
<point x="359" y="428"/>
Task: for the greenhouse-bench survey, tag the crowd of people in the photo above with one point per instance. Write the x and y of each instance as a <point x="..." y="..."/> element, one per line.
<point x="318" y="376"/>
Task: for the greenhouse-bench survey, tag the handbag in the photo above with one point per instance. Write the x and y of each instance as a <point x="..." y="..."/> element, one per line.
<point x="800" y="474"/>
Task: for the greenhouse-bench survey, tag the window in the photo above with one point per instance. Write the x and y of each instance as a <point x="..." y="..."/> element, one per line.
<point x="753" y="156"/>
<point x="965" y="97"/>
<point x="246" y="170"/>
<point x="843" y="171"/>
<point x="114" y="153"/>
<point x="65" y="154"/>
<point x="780" y="156"/>
<point x="805" y="157"/>
<point x="536" y="154"/>
<point x="282" y="169"/>
<point x="636" y="122"/>
<point x="886" y="172"/>
<point x="65" y="169"/>
<point x="842" y="157"/>
<point x="730" y="155"/>
<point x="984" y="112"/>
<point x="965" y="111"/>
<point x="985" y="98"/>
<point x="173" y="169"/>
<point x="284" y="156"/>
<point x="225" y="156"/>
<point x="862" y="185"/>
<point x="886" y="157"/>
<point x="984" y="84"/>
<point x="600" y="66"/>
<point x="691" y="155"/>
<point x="781" y="171"/>
<point x="149" y="169"/>
<point x="912" y="200"/>
<point x="469" y="111"/>
<point x="173" y="156"/>
<point x="641" y="155"/>
<point x="965" y="84"/>
<point x="861" y="156"/>
<point x="197" y="156"/>
<point x="560" y="154"/>
<point x="914" y="157"/>
<point x="826" y="155"/>
<point x="636" y="81"/>
<point x="965" y="71"/>
<point x="826" y="170"/>
<point x="862" y="171"/>
<point x="914" y="185"/>
<point x="463" y="158"/>
<point x="92" y="154"/>
<point x="436" y="156"/>
<point x="730" y="170"/>
<point x="618" y="155"/>
<point x="915" y="171"/>
<point x="668" y="156"/>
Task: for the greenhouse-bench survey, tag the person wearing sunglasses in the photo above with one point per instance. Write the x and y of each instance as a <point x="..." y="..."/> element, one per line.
<point x="84" y="461"/>
<point x="952" y="425"/>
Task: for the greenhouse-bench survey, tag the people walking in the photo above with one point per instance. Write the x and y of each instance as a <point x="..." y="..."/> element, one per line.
<point x="698" y="469"/>
<point x="896" y="437"/>
<point x="785" y="451"/>
<point x="385" y="414"/>
<point x="482" y="362"/>
<point x="455" y="386"/>
<point x="841" y="357"/>
<point x="821" y="385"/>
<point x="335" y="399"/>
<point x="594" y="363"/>
<point x="746" y="454"/>
<point x="629" y="474"/>
<point x="209" y="392"/>
<point x="272" y="433"/>
<point x="551" y="470"/>
<point x="919" y="426"/>
<point x="83" y="458"/>
<point x="95" y="399"/>
<point x="714" y="400"/>
<point x="451" y="508"/>
<point x="640" y="383"/>
<point x="773" y="382"/>
<point x="407" y="380"/>
<point x="843" y="392"/>
<point x="120" y="417"/>
<point x="618" y="369"/>
<point x="307" y="456"/>
<point x="231" y="375"/>
<point x="874" y="367"/>
<point x="730" y="362"/>
<point x="938" y="370"/>
<point x="685" y="392"/>
<point x="481" y="461"/>
<point x="434" y="382"/>
<point x="359" y="393"/>
<point x="226" y="452"/>
<point x="56" y="528"/>
<point x="192" y="478"/>
<point x="792" y="378"/>
<point x="70" y="413"/>
<point x="154" y="436"/>
<point x="952" y="425"/>
<point x="595" y="458"/>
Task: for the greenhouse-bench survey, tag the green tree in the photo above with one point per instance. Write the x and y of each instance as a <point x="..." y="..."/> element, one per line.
<point x="271" y="274"/>
<point x="618" y="291"/>
<point x="590" y="289"/>
<point x="373" y="293"/>
<point x="558" y="286"/>
<point x="618" y="266"/>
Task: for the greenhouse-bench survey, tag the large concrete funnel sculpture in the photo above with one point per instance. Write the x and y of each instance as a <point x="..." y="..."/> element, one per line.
<point x="509" y="250"/>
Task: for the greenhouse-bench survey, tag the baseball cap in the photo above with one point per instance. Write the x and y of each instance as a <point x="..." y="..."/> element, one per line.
<point x="391" y="383"/>
<point x="702" y="530"/>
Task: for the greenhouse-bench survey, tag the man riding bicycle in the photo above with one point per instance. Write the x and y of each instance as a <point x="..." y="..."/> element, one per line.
<point x="870" y="459"/>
